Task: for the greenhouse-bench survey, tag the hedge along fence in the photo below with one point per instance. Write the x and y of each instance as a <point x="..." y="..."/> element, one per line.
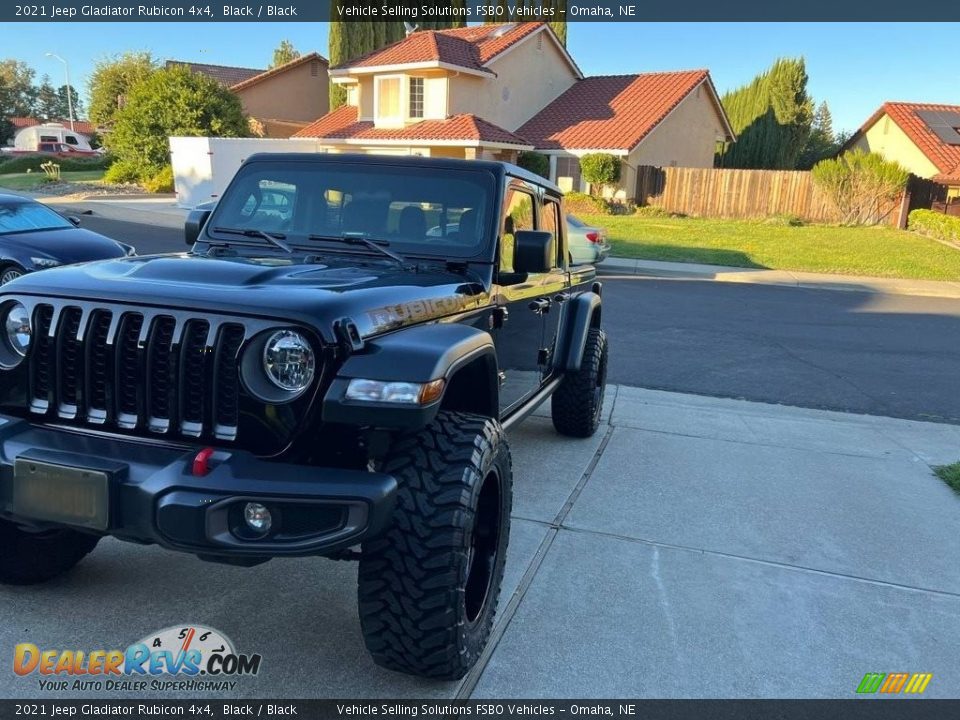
<point x="936" y="225"/>
<point x="723" y="193"/>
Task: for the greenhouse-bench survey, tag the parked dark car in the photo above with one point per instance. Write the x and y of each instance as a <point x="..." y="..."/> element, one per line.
<point x="321" y="375"/>
<point x="34" y="237"/>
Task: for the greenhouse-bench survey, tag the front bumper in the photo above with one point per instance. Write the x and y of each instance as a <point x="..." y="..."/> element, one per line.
<point x="153" y="496"/>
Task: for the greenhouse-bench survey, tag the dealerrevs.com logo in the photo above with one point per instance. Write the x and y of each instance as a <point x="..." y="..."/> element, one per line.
<point x="180" y="658"/>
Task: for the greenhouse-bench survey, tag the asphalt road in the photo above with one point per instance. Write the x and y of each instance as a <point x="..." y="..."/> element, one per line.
<point x="857" y="352"/>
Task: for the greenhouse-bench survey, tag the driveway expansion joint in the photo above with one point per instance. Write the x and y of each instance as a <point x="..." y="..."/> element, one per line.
<point x="761" y="561"/>
<point x="469" y="682"/>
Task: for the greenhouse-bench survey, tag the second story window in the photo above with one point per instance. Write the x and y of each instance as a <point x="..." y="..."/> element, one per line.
<point x="416" y="97"/>
<point x="388" y="98"/>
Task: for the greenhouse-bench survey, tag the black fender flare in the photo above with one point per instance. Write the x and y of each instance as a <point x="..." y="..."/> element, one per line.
<point x="576" y="324"/>
<point x="418" y="354"/>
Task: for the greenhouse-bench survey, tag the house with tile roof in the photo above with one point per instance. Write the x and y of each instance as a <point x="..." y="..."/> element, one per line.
<point x="923" y="137"/>
<point x="493" y="91"/>
<point x="280" y="101"/>
<point x="664" y="119"/>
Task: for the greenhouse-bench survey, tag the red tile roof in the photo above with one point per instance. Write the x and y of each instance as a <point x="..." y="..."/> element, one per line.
<point x="946" y="157"/>
<point x="223" y="74"/>
<point x="80" y="126"/>
<point x="468" y="47"/>
<point x="949" y="178"/>
<point x="611" y="112"/>
<point x="342" y="124"/>
<point x="272" y="72"/>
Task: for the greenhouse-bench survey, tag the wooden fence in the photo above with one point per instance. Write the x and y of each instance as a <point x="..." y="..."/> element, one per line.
<point x="721" y="193"/>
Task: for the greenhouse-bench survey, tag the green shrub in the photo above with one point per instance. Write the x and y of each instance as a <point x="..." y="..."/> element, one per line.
<point x="651" y="211"/>
<point x="535" y="162"/>
<point x="172" y="102"/>
<point x="859" y="184"/>
<point x="32" y="163"/>
<point x="123" y="172"/>
<point x="936" y="225"/>
<point x="162" y="182"/>
<point x="600" y="169"/>
<point x="583" y="204"/>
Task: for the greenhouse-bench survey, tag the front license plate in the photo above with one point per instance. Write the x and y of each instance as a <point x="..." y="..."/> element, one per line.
<point x="62" y="494"/>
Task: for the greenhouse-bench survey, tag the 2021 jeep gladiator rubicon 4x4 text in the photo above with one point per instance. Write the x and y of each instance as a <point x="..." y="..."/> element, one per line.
<point x="328" y="371"/>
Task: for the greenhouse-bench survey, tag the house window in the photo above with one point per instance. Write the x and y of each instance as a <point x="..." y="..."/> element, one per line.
<point x="387" y="99"/>
<point x="352" y="95"/>
<point x="416" y="97"/>
<point x="569" y="167"/>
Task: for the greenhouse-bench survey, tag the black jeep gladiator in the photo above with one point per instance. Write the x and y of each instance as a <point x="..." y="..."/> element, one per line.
<point x="328" y="371"/>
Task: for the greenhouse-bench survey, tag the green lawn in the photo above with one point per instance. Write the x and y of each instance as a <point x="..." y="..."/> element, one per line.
<point x="32" y="181"/>
<point x="877" y="251"/>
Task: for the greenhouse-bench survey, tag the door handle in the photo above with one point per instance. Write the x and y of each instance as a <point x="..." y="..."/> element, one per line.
<point x="561" y="297"/>
<point x="540" y="306"/>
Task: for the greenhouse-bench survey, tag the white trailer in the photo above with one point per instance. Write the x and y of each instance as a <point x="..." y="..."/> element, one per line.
<point x="202" y="166"/>
<point x="30" y="138"/>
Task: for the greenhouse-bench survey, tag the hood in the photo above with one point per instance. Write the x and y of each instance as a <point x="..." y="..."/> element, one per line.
<point x="377" y="296"/>
<point x="68" y="245"/>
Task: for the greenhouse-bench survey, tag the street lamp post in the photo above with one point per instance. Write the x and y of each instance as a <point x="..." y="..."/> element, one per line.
<point x="66" y="69"/>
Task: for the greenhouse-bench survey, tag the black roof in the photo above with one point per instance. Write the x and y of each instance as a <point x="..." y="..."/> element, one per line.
<point x="494" y="166"/>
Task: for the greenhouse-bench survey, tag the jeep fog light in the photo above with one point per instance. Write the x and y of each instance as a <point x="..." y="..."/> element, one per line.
<point x="257" y="517"/>
<point x="399" y="393"/>
<point x="289" y="360"/>
<point x="18" y="331"/>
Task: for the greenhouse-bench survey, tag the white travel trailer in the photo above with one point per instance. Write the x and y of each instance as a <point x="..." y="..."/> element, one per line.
<point x="31" y="138"/>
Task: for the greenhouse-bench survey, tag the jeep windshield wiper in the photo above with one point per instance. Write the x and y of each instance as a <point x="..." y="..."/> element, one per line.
<point x="276" y="239"/>
<point x="361" y="239"/>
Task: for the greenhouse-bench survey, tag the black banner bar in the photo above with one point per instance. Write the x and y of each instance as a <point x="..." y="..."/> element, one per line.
<point x="201" y="11"/>
<point x="858" y="709"/>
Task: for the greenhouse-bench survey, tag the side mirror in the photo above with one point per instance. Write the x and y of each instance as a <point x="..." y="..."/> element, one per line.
<point x="75" y="221"/>
<point x="194" y="224"/>
<point x="532" y="251"/>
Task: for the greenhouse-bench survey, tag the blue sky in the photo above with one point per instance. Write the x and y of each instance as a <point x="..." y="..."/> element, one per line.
<point x="853" y="66"/>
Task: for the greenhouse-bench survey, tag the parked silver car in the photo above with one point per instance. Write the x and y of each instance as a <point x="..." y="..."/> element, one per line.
<point x="588" y="245"/>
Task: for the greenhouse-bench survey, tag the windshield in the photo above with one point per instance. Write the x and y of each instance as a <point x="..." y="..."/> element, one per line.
<point x="417" y="210"/>
<point x="576" y="222"/>
<point x="29" y="216"/>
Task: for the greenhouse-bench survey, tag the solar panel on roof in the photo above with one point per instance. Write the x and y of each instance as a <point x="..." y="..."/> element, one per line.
<point x="945" y="125"/>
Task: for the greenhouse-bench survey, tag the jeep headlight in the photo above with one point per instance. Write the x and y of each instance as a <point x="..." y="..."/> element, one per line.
<point x="397" y="393"/>
<point x="289" y="361"/>
<point x="18" y="333"/>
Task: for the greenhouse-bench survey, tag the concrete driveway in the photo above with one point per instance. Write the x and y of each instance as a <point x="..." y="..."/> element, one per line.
<point x="695" y="547"/>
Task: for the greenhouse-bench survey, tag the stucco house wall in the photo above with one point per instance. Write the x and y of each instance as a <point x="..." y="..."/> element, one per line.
<point x="300" y="93"/>
<point x="687" y="137"/>
<point x="528" y="77"/>
<point x="886" y="138"/>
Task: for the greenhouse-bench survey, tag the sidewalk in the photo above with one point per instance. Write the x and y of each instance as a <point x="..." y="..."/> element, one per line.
<point x="786" y="278"/>
<point x="694" y="547"/>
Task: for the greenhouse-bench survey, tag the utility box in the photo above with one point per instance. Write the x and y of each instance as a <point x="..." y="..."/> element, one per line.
<point x="203" y="166"/>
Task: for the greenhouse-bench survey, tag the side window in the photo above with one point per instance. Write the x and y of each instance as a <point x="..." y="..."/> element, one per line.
<point x="71" y="140"/>
<point x="517" y="215"/>
<point x="550" y="222"/>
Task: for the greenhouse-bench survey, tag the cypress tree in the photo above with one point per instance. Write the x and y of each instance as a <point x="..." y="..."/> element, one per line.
<point x="771" y="116"/>
<point x="338" y="52"/>
<point x="559" y="26"/>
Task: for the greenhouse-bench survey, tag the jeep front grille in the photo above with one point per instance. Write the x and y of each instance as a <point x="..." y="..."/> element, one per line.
<point x="164" y="373"/>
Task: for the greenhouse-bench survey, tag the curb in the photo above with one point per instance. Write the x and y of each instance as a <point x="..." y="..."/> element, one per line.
<point x="781" y="278"/>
